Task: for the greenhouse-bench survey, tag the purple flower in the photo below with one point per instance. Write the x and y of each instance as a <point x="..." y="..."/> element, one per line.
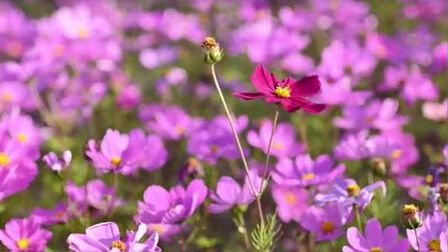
<point x="24" y="235"/>
<point x="153" y="58"/>
<point x="436" y="111"/>
<point x="305" y="172"/>
<point x="14" y="94"/>
<point x="22" y="129"/>
<point x="49" y="217"/>
<point x="347" y="193"/>
<point x="129" y="96"/>
<point x="412" y="84"/>
<point x="375" y="239"/>
<point x="162" y="210"/>
<point x="105" y="237"/>
<point x="283" y="144"/>
<point x="340" y="92"/>
<point x="53" y="162"/>
<point x="229" y="193"/>
<point x="375" y="115"/>
<point x="291" y="202"/>
<point x="432" y="235"/>
<point x="289" y="93"/>
<point x="168" y="122"/>
<point x="215" y="140"/>
<point x="326" y="223"/>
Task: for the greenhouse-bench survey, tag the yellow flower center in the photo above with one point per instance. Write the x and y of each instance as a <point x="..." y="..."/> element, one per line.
<point x="6" y="97"/>
<point x="429" y="179"/>
<point x="23" y="244"/>
<point x="115" y="161"/>
<point x="277" y="146"/>
<point x="4" y="159"/>
<point x="180" y="130"/>
<point x="376" y="249"/>
<point x="290" y="198"/>
<point x="308" y="176"/>
<point x="282" y="92"/>
<point x="22" y="138"/>
<point x="119" y="245"/>
<point x="327" y="227"/>
<point x="214" y="149"/>
<point x="434" y="245"/>
<point x="396" y="154"/>
<point x="58" y="50"/>
<point x="14" y="49"/>
<point x="353" y="190"/>
<point x="409" y="210"/>
<point x="82" y="32"/>
<point x="157" y="228"/>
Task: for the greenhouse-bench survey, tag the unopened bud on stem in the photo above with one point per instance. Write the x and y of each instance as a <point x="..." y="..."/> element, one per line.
<point x="213" y="52"/>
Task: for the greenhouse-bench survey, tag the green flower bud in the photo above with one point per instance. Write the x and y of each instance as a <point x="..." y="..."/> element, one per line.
<point x="213" y="53"/>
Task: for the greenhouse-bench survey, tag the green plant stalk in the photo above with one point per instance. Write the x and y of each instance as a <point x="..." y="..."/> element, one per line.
<point x="358" y="217"/>
<point x="268" y="154"/>
<point x="240" y="148"/>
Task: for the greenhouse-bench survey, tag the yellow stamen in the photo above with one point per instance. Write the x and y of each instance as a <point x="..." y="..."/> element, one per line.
<point x="119" y="245"/>
<point x="282" y="92"/>
<point x="277" y="146"/>
<point x="396" y="154"/>
<point x="290" y="198"/>
<point x="308" y="176"/>
<point x="83" y="32"/>
<point x="434" y="245"/>
<point x="23" y="244"/>
<point x="327" y="227"/>
<point x="353" y="190"/>
<point x="376" y="249"/>
<point x="22" y="138"/>
<point x="429" y="179"/>
<point x="214" y="149"/>
<point x="179" y="130"/>
<point x="6" y="97"/>
<point x="4" y="159"/>
<point x="409" y="210"/>
<point x="157" y="228"/>
<point x="115" y="161"/>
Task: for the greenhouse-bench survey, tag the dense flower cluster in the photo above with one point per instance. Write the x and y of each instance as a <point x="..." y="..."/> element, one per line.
<point x="109" y="120"/>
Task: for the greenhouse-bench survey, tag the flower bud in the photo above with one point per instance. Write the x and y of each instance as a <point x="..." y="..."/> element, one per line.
<point x="411" y="216"/>
<point x="379" y="166"/>
<point x="190" y="169"/>
<point x="213" y="53"/>
<point x="443" y="192"/>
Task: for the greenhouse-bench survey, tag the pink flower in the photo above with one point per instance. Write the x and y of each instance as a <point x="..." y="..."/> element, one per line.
<point x="288" y="93"/>
<point x="24" y="235"/>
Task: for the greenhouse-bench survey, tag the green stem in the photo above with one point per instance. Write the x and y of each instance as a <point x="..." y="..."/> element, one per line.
<point x="358" y="217"/>
<point x="268" y="154"/>
<point x="240" y="148"/>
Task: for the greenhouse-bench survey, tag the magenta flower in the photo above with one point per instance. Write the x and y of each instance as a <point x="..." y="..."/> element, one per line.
<point x="53" y="162"/>
<point x="326" y="223"/>
<point x="48" y="217"/>
<point x="24" y="235"/>
<point x="283" y="144"/>
<point x="163" y="210"/>
<point x="229" y="193"/>
<point x="432" y="235"/>
<point x="375" y="239"/>
<point x="305" y="172"/>
<point x="105" y="237"/>
<point x="291" y="202"/>
<point x="289" y="93"/>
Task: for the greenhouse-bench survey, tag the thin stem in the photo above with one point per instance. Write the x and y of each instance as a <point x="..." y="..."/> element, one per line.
<point x="358" y="217"/>
<point x="240" y="148"/>
<point x="268" y="154"/>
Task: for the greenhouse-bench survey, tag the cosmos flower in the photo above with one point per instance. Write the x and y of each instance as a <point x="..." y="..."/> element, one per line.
<point x="374" y="239"/>
<point x="283" y="145"/>
<point x="291" y="202"/>
<point x="163" y="210"/>
<point x="347" y="193"/>
<point x="53" y="162"/>
<point x="105" y="237"/>
<point x="326" y="223"/>
<point x="289" y="93"/>
<point x="305" y="172"/>
<point x="24" y="235"/>
<point x="229" y="193"/>
<point x="48" y="217"/>
<point x="432" y="235"/>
